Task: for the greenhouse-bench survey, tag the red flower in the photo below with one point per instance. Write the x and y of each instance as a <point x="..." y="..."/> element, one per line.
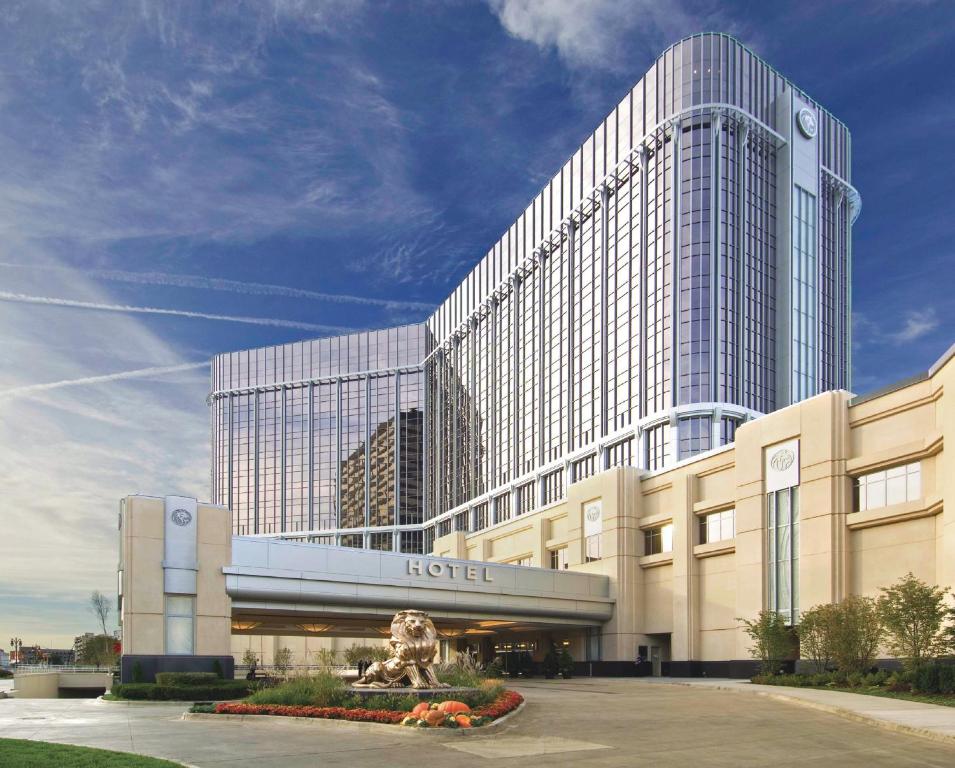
<point x="506" y="702"/>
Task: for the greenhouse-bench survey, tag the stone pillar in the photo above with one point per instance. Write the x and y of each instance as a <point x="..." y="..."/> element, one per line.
<point x="172" y="552"/>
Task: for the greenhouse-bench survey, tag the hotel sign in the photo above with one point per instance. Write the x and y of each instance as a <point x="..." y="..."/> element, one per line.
<point x="436" y="569"/>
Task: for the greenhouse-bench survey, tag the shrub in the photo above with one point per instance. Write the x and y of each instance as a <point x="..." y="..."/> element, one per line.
<point x="913" y="613"/>
<point x="220" y="690"/>
<point x="282" y="661"/>
<point x="551" y="663"/>
<point x="566" y="663"/>
<point x="249" y="658"/>
<point x="321" y="690"/>
<point x="186" y="678"/>
<point x="458" y="676"/>
<point x="495" y="669"/>
<point x="855" y="634"/>
<point x="773" y="641"/>
<point x="846" y="634"/>
<point x="217" y="668"/>
<point x="815" y="635"/>
<point x="137" y="672"/>
<point x="934" y="678"/>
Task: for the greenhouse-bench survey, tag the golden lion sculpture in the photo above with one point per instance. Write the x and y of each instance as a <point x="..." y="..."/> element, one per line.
<point x="414" y="641"/>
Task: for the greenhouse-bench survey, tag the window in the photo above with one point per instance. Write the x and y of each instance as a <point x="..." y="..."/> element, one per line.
<point x="481" y="517"/>
<point x="558" y="559"/>
<point x="593" y="547"/>
<point x="584" y="468"/>
<point x="180" y="612"/>
<point x="525" y="561"/>
<point x="718" y="526"/>
<point x="784" y="553"/>
<point x="658" y="539"/>
<point x="890" y="486"/>
<point x="553" y="486"/>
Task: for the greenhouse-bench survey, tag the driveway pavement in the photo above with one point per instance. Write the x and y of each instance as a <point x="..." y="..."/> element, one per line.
<point x="581" y="722"/>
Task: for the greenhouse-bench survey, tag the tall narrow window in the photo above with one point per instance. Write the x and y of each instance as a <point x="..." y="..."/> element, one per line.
<point x="180" y="620"/>
<point x="804" y="295"/>
<point x="784" y="553"/>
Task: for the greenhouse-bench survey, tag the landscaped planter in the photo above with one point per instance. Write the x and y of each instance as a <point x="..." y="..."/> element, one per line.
<point x="506" y="703"/>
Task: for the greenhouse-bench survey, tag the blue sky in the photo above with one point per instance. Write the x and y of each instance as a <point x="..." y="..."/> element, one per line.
<point x="308" y="167"/>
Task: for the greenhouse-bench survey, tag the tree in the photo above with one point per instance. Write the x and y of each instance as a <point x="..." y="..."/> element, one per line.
<point x="249" y="658"/>
<point x="855" y="633"/>
<point x="913" y="614"/>
<point x="282" y="660"/>
<point x="773" y="641"/>
<point x="100" y="649"/>
<point x="325" y="658"/>
<point x="101" y="606"/>
<point x="816" y="627"/>
<point x="379" y="653"/>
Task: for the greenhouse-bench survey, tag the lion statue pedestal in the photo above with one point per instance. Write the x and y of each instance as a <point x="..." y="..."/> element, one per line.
<point x="414" y="642"/>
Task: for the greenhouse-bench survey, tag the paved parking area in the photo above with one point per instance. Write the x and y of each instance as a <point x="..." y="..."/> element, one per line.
<point x="590" y="722"/>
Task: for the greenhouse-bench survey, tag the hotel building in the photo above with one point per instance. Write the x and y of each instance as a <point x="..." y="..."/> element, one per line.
<point x="633" y="415"/>
<point x="686" y="270"/>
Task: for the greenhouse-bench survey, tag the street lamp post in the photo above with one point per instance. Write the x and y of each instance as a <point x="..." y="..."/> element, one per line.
<point x="17" y="645"/>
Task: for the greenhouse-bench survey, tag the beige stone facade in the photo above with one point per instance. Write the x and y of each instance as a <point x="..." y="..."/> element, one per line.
<point x="675" y="557"/>
<point x="143" y="594"/>
<point x="686" y="601"/>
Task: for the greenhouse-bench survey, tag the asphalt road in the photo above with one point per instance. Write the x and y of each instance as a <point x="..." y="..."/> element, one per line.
<point x="581" y="722"/>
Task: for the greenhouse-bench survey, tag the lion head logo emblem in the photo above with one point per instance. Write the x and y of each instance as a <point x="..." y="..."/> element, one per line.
<point x="782" y="460"/>
<point x="414" y="644"/>
<point x="181" y="517"/>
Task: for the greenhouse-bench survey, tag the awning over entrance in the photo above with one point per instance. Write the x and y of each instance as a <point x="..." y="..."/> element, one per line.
<point x="273" y="583"/>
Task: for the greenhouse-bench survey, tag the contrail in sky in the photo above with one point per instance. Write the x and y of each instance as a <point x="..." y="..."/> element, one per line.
<point x="24" y="299"/>
<point x="231" y="286"/>
<point x="139" y="373"/>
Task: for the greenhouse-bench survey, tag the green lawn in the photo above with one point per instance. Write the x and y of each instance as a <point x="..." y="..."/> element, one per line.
<point x="19" y="753"/>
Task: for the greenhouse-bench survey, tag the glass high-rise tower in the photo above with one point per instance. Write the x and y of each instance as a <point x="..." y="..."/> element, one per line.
<point x="687" y="269"/>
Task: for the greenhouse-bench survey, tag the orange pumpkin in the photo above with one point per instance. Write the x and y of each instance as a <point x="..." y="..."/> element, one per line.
<point x="463" y="721"/>
<point x="453" y="707"/>
<point x="420" y="709"/>
<point x="433" y="717"/>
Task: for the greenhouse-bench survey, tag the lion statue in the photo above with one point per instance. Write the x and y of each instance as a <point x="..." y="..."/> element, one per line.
<point x="413" y="645"/>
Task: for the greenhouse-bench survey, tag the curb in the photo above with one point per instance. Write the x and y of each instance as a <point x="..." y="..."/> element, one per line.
<point x="133" y="703"/>
<point x="355" y="725"/>
<point x="846" y="714"/>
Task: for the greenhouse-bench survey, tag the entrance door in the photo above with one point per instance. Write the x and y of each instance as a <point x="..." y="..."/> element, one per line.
<point x="655" y="660"/>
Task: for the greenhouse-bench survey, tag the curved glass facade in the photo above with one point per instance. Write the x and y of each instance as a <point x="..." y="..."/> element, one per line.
<point x="686" y="270"/>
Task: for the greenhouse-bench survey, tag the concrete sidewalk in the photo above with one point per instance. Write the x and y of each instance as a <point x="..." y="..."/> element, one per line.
<point x="927" y="720"/>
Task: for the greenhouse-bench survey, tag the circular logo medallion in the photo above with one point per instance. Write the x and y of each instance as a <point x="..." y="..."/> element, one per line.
<point x="181" y="517"/>
<point x="782" y="460"/>
<point x="806" y="120"/>
<point x="593" y="513"/>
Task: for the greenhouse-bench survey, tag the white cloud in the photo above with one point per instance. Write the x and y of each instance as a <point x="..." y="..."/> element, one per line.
<point x="68" y="452"/>
<point x="912" y="325"/>
<point x="85" y="381"/>
<point x="98" y="306"/>
<point x="915" y="325"/>
<point x="593" y="33"/>
<point x="231" y="286"/>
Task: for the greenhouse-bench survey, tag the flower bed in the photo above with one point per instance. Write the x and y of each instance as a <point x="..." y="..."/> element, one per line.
<point x="507" y="702"/>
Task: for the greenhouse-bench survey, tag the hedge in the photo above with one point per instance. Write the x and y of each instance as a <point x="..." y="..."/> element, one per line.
<point x="218" y="691"/>
<point x="187" y="678"/>
<point x="934" y="678"/>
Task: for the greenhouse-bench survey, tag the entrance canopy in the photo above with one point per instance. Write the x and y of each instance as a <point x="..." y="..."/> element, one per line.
<point x="286" y="587"/>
